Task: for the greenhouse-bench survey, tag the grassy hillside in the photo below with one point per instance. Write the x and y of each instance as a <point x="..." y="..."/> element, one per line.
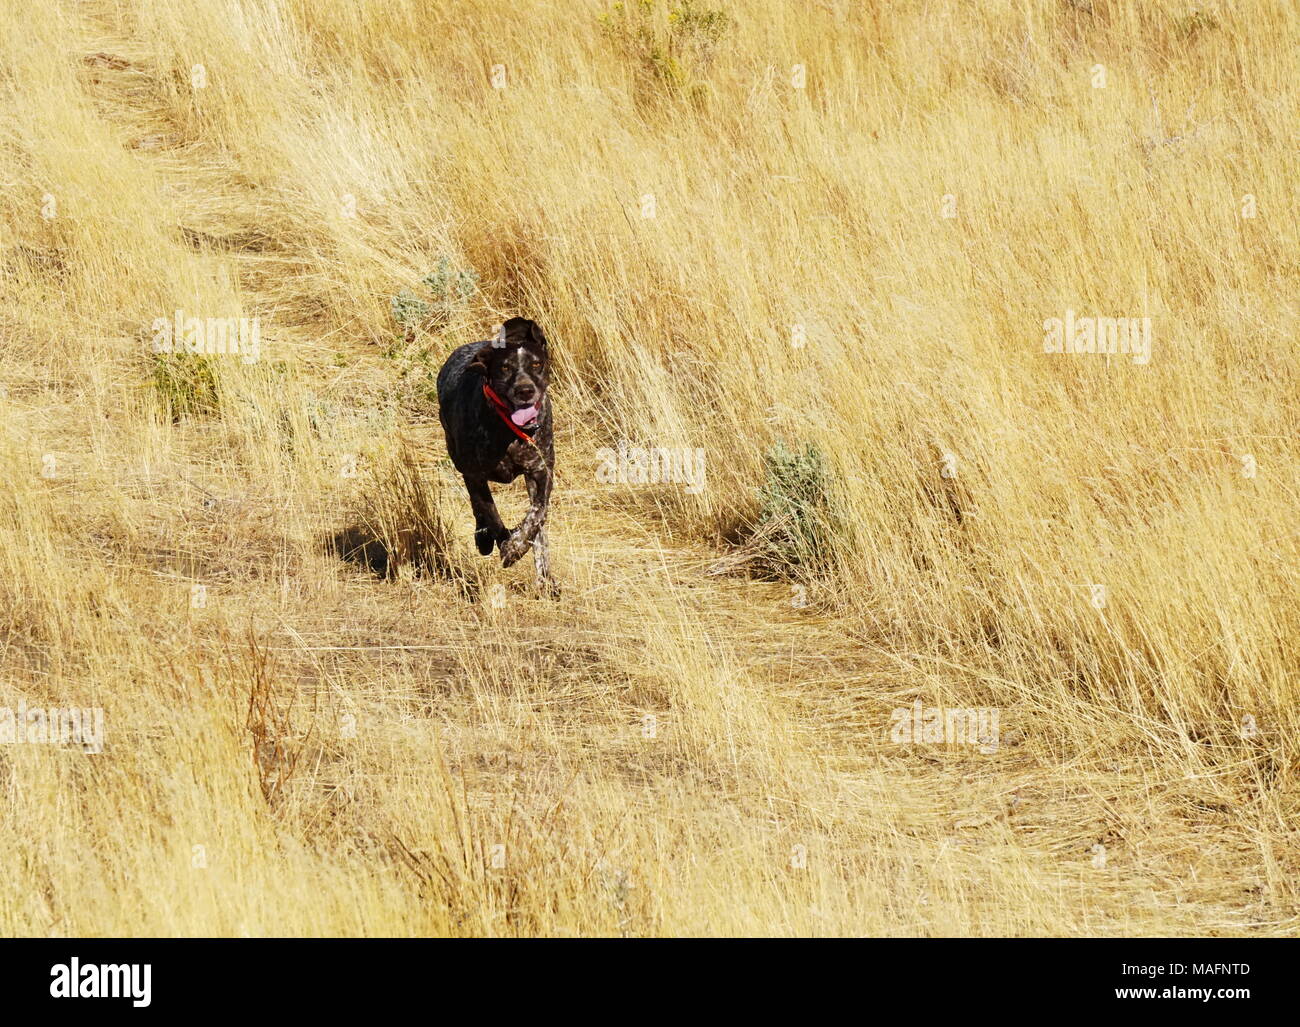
<point x="822" y="243"/>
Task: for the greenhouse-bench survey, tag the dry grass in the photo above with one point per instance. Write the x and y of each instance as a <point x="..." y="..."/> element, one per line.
<point x="298" y="745"/>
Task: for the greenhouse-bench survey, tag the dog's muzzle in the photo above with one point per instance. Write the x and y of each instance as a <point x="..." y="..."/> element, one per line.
<point x="525" y="423"/>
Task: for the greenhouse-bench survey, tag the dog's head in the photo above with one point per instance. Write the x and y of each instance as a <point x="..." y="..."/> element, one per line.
<point x="515" y="364"/>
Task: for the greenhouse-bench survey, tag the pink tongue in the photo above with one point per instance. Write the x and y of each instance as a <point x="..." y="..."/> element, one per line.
<point x="522" y="417"/>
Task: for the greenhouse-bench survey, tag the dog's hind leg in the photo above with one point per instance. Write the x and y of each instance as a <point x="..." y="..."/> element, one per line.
<point x="488" y="527"/>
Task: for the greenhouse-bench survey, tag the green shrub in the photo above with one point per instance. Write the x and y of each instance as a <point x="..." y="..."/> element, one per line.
<point x="410" y="312"/>
<point x="186" y="383"/>
<point x="671" y="45"/>
<point x="794" y="518"/>
<point x="450" y="288"/>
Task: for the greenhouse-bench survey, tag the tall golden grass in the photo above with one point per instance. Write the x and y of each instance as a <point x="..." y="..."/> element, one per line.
<point x="863" y="214"/>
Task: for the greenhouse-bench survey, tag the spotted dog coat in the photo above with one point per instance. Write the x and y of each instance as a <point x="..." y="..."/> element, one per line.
<point x="495" y="406"/>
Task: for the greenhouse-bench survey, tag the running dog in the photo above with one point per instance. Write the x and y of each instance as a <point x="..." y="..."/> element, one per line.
<point x="495" y="407"/>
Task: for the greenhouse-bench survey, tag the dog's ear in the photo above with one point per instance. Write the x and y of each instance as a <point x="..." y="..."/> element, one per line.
<point x="538" y="344"/>
<point x="519" y="331"/>
<point x="482" y="360"/>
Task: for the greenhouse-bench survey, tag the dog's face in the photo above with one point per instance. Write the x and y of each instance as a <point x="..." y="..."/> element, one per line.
<point x="515" y="365"/>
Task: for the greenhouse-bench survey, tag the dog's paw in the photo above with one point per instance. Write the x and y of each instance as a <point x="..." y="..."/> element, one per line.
<point x="513" y="548"/>
<point x="486" y="538"/>
<point x="549" y="587"/>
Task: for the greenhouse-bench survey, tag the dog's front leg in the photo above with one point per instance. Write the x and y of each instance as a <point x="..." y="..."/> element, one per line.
<point x="488" y="527"/>
<point x="542" y="559"/>
<point x="539" y="498"/>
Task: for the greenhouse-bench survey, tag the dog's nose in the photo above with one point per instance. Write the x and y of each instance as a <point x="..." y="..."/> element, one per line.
<point x="525" y="391"/>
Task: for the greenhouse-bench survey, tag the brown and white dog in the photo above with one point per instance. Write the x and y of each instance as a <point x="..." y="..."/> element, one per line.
<point x="495" y="406"/>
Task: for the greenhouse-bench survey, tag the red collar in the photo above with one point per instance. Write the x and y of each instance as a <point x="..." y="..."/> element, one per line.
<point x="503" y="412"/>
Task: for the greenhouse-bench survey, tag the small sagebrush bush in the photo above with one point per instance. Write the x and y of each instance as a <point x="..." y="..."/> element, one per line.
<point x="450" y="289"/>
<point x="186" y="383"/>
<point x="671" y="45"/>
<point x="451" y="286"/>
<point x="416" y="387"/>
<point x="793" y="525"/>
<point x="409" y="311"/>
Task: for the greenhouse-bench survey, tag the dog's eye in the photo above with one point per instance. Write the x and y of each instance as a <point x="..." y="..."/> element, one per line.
<point x="537" y="365"/>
